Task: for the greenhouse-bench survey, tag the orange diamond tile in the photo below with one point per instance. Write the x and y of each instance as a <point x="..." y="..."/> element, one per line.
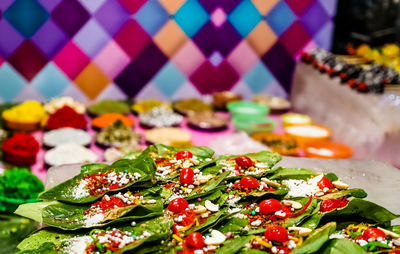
<point x="92" y="81"/>
<point x="261" y="38"/>
<point x="170" y="38"/>
<point x="172" y="6"/>
<point x="264" y="6"/>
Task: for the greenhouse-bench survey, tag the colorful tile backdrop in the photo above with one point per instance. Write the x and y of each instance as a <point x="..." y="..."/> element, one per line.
<point x="94" y="49"/>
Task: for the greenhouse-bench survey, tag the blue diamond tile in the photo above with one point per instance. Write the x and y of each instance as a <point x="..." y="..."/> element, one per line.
<point x="152" y="16"/>
<point x="91" y="38"/>
<point x="216" y="58"/>
<point x="12" y="82"/>
<point x="169" y="79"/>
<point x="191" y="17"/>
<point x="26" y="16"/>
<point x="280" y="17"/>
<point x="258" y="77"/>
<point x="50" y="82"/>
<point x="244" y="17"/>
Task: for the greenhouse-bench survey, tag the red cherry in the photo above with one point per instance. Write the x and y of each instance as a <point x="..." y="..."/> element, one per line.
<point x="324" y="183"/>
<point x="195" y="240"/>
<point x="244" y="162"/>
<point x="178" y="205"/>
<point x="183" y="155"/>
<point x="277" y="233"/>
<point x="249" y="182"/>
<point x="269" y="206"/>
<point x="373" y="233"/>
<point x="187" y="176"/>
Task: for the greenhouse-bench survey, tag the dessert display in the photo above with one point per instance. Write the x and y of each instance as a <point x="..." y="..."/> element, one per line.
<point x="277" y="105"/>
<point x="328" y="150"/>
<point x="117" y="135"/>
<point x="66" y="135"/>
<point x="24" y="117"/>
<point x="106" y="120"/>
<point x="18" y="186"/>
<point x="168" y="136"/>
<point x="58" y="103"/>
<point x="66" y="117"/>
<point x="209" y="121"/>
<point x="20" y="149"/>
<point x="160" y="117"/>
<point x="221" y="99"/>
<point x="147" y="105"/>
<point x="195" y="202"/>
<point x="69" y="153"/>
<point x="282" y="144"/>
<point x="191" y="105"/>
<point x="290" y="119"/>
<point x="109" y="106"/>
<point x="305" y="134"/>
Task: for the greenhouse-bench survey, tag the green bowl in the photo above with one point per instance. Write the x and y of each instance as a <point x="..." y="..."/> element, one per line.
<point x="10" y="204"/>
<point x="254" y="124"/>
<point x="247" y="108"/>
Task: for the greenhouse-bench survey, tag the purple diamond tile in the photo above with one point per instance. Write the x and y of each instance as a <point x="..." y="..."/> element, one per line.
<point x="70" y="15"/>
<point x="299" y="6"/>
<point x="50" y="39"/>
<point x="281" y="64"/>
<point x="91" y="38"/>
<point x="329" y="6"/>
<point x="10" y="39"/>
<point x="49" y="5"/>
<point x="141" y="70"/>
<point x="216" y="58"/>
<point x="112" y="16"/>
<point x="222" y="39"/>
<point x="295" y="38"/>
<point x="209" y="79"/>
<point x="314" y="18"/>
<point x="92" y="6"/>
<point x="4" y="4"/>
<point x="227" y="5"/>
<point x="324" y="37"/>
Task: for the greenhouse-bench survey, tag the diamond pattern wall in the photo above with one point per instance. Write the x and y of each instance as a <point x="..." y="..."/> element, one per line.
<point x="155" y="48"/>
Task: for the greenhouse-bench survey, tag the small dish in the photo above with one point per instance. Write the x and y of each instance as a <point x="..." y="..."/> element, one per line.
<point x="247" y="108"/>
<point x="254" y="124"/>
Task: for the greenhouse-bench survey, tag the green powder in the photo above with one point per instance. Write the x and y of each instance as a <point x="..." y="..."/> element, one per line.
<point x="20" y="184"/>
<point x="109" y="106"/>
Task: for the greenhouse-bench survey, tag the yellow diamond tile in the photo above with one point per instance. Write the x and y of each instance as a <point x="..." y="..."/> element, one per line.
<point x="264" y="6"/>
<point x="261" y="38"/>
<point x="172" y="6"/>
<point x="92" y="81"/>
<point x="170" y="38"/>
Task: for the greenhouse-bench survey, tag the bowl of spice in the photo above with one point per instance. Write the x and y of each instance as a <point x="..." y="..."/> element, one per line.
<point x="277" y="105"/>
<point x="21" y="149"/>
<point x="58" y="103"/>
<point x="18" y="186"/>
<point x="106" y="120"/>
<point x="69" y="154"/>
<point x="117" y="135"/>
<point x="25" y="117"/>
<point x="247" y="109"/>
<point x="282" y="144"/>
<point x="66" y="117"/>
<point x="290" y="119"/>
<point x="305" y="134"/>
<point x="160" y="117"/>
<point x="168" y="136"/>
<point x="109" y="106"/>
<point x="221" y="99"/>
<point x="147" y="105"/>
<point x="61" y="136"/>
<point x="208" y="121"/>
<point x="253" y="123"/>
<point x="191" y="105"/>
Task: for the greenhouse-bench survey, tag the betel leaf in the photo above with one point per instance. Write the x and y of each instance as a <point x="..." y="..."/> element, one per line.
<point x="341" y="246"/>
<point x="266" y="157"/>
<point x="395" y="229"/>
<point x="66" y="190"/>
<point x="45" y="248"/>
<point x="331" y="177"/>
<point x="307" y="213"/>
<point x="234" y="225"/>
<point x="46" y="235"/>
<point x="316" y="239"/>
<point x="201" y="152"/>
<point x="313" y="221"/>
<point x="72" y="217"/>
<point x="33" y="211"/>
<point x="357" y="193"/>
<point x="233" y="245"/>
<point x="208" y="187"/>
<point x="292" y="173"/>
<point x="93" y="167"/>
<point x="210" y="221"/>
<point x="251" y="251"/>
<point x="363" y="209"/>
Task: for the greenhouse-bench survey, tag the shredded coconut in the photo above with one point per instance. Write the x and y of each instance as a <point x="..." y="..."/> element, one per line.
<point x="77" y="245"/>
<point x="94" y="220"/>
<point x="80" y="191"/>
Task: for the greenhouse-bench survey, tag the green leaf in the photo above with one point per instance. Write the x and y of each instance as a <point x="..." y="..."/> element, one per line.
<point x="211" y="220"/>
<point x="45" y="248"/>
<point x="331" y="177"/>
<point x="233" y="245"/>
<point x="33" y="210"/>
<point x="209" y="187"/>
<point x="234" y="225"/>
<point x="363" y="209"/>
<point x="65" y="191"/>
<point x="357" y="193"/>
<point x="313" y="221"/>
<point x="292" y="173"/>
<point x="316" y="239"/>
<point x="341" y="246"/>
<point x="50" y="235"/>
<point x="307" y="213"/>
<point x="93" y="167"/>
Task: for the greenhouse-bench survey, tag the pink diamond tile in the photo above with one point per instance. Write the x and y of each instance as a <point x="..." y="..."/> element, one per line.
<point x="218" y="17"/>
<point x="185" y="91"/>
<point x="71" y="60"/>
<point x="113" y="92"/>
<point x="150" y="91"/>
<point x="73" y="91"/>
<point x="112" y="59"/>
<point x="242" y="88"/>
<point x="1" y="61"/>
<point x="29" y="93"/>
<point x="242" y="58"/>
<point x="188" y="58"/>
<point x="275" y="88"/>
<point x="91" y="5"/>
